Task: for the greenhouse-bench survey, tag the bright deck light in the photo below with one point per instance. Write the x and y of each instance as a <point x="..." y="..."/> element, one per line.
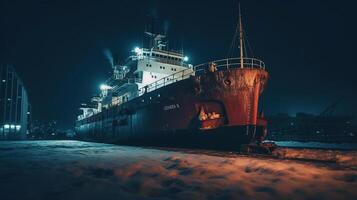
<point x="137" y="50"/>
<point x="105" y="87"/>
<point x="185" y="59"/>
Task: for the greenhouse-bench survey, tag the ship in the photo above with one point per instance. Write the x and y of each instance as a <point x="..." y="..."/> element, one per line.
<point x="158" y="98"/>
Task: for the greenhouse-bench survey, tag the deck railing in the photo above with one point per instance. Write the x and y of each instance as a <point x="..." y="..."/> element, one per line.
<point x="224" y="64"/>
<point x="183" y="74"/>
<point x="232" y="63"/>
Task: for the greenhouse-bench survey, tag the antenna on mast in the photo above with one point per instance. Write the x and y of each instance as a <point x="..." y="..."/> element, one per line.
<point x="241" y="37"/>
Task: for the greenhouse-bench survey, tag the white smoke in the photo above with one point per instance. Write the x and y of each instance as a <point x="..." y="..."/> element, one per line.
<point x="109" y="56"/>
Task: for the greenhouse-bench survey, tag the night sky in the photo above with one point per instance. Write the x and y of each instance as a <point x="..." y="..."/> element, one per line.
<point x="309" y="47"/>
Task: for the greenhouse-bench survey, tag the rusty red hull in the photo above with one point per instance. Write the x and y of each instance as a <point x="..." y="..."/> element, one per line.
<point x="212" y="110"/>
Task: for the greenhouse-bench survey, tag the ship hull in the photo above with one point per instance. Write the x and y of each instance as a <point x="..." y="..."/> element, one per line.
<point x="222" y="138"/>
<point x="172" y="115"/>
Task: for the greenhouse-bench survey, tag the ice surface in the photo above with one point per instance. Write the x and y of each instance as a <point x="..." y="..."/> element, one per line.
<point x="341" y="146"/>
<point x="81" y="170"/>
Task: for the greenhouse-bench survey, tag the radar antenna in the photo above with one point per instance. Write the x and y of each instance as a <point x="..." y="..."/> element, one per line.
<point x="157" y="40"/>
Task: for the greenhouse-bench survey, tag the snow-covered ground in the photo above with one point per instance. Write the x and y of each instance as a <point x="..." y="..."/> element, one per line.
<point x="80" y="170"/>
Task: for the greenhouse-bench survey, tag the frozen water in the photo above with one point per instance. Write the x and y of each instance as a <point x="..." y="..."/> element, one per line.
<point x="82" y="170"/>
<point x="295" y="144"/>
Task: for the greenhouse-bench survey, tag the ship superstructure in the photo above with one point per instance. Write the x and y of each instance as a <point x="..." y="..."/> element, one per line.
<point x="147" y="69"/>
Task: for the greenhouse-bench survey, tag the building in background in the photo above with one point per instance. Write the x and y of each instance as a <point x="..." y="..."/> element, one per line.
<point x="14" y="105"/>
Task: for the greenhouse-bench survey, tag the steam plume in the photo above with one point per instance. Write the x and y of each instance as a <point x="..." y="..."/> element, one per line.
<point x="109" y="56"/>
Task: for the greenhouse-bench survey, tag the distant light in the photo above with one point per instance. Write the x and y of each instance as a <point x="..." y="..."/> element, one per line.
<point x="12" y="126"/>
<point x="18" y="127"/>
<point x="137" y="50"/>
<point x="6" y="126"/>
<point x="3" y="80"/>
<point x="185" y="59"/>
<point x="105" y="87"/>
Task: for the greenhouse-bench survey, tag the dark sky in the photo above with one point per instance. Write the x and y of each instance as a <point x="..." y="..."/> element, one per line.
<point x="309" y="46"/>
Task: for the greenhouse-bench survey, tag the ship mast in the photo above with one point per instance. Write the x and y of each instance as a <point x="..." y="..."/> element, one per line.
<point x="241" y="37"/>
